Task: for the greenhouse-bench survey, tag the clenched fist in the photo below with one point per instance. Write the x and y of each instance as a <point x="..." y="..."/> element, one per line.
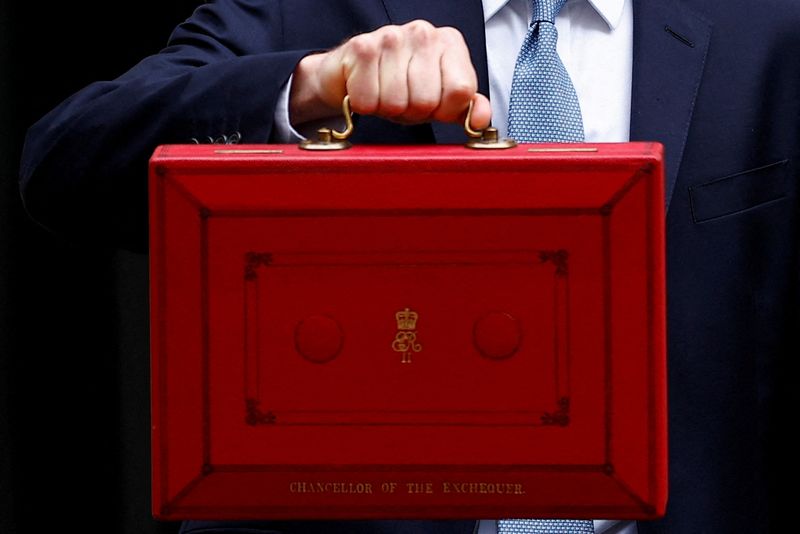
<point x="410" y="74"/>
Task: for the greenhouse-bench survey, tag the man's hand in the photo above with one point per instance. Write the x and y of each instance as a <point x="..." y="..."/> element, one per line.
<point x="410" y="74"/>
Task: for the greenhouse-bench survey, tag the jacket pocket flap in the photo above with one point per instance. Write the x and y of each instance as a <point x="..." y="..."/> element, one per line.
<point x="738" y="192"/>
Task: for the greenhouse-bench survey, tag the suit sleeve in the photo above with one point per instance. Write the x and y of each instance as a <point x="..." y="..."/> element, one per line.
<point x="84" y="165"/>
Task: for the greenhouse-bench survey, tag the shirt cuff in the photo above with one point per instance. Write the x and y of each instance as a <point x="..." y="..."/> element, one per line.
<point x="285" y="132"/>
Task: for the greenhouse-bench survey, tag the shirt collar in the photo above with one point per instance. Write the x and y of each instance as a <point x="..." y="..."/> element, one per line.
<point x="491" y="7"/>
<point x="609" y="10"/>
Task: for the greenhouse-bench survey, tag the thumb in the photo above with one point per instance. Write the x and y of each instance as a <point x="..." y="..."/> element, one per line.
<point x="481" y="112"/>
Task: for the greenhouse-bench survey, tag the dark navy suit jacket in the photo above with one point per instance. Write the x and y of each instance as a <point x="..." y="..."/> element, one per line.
<point x="717" y="82"/>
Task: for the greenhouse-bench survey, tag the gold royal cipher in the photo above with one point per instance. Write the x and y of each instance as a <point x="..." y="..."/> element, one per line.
<point x="405" y="341"/>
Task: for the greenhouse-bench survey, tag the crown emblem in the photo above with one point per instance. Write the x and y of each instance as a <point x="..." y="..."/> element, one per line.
<point x="405" y="342"/>
<point x="406" y="319"/>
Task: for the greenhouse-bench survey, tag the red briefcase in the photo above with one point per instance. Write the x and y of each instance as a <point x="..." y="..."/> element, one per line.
<point x="408" y="332"/>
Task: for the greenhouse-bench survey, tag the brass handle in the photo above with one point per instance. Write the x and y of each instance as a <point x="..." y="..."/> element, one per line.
<point x="330" y="139"/>
<point x="348" y="121"/>
<point x="474" y="134"/>
<point x="487" y="138"/>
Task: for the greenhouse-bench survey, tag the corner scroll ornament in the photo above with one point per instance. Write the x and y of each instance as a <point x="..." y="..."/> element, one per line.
<point x="257" y="417"/>
<point x="405" y="341"/>
<point x="558" y="258"/>
<point x="252" y="261"/>
<point x="561" y="416"/>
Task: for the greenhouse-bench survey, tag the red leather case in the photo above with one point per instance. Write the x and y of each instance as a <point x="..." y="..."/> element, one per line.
<point x="408" y="332"/>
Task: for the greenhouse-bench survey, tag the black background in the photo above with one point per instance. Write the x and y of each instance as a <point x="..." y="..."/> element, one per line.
<point x="74" y="354"/>
<point x="74" y="399"/>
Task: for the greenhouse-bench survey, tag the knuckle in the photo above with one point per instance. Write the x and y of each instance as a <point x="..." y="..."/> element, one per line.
<point x="363" y="46"/>
<point x="363" y="97"/>
<point x="363" y="106"/>
<point x="390" y="111"/>
<point x="392" y="107"/>
<point x="451" y="35"/>
<point x="391" y="37"/>
<point x="420" y="30"/>
<point x="461" y="89"/>
<point x="423" y="107"/>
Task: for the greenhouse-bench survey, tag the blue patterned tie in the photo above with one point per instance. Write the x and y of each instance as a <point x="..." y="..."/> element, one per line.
<point x="544" y="106"/>
<point x="544" y="526"/>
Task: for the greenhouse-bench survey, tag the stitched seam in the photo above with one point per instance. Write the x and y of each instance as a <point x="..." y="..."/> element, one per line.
<point x="736" y="212"/>
<point x="688" y="122"/>
<point x="691" y="207"/>
<point x="750" y="171"/>
<point x="388" y="15"/>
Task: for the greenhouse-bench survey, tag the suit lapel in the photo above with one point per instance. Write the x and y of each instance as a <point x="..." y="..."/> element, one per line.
<point x="467" y="17"/>
<point x="669" y="51"/>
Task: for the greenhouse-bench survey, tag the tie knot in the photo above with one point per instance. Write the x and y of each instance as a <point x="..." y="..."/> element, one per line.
<point x="546" y="10"/>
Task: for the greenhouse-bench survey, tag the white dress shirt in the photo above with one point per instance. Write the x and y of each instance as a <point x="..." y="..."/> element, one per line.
<point x="595" y="43"/>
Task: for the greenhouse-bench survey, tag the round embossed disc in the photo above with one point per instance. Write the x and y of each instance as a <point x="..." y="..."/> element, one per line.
<point x="318" y="338"/>
<point x="497" y="335"/>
